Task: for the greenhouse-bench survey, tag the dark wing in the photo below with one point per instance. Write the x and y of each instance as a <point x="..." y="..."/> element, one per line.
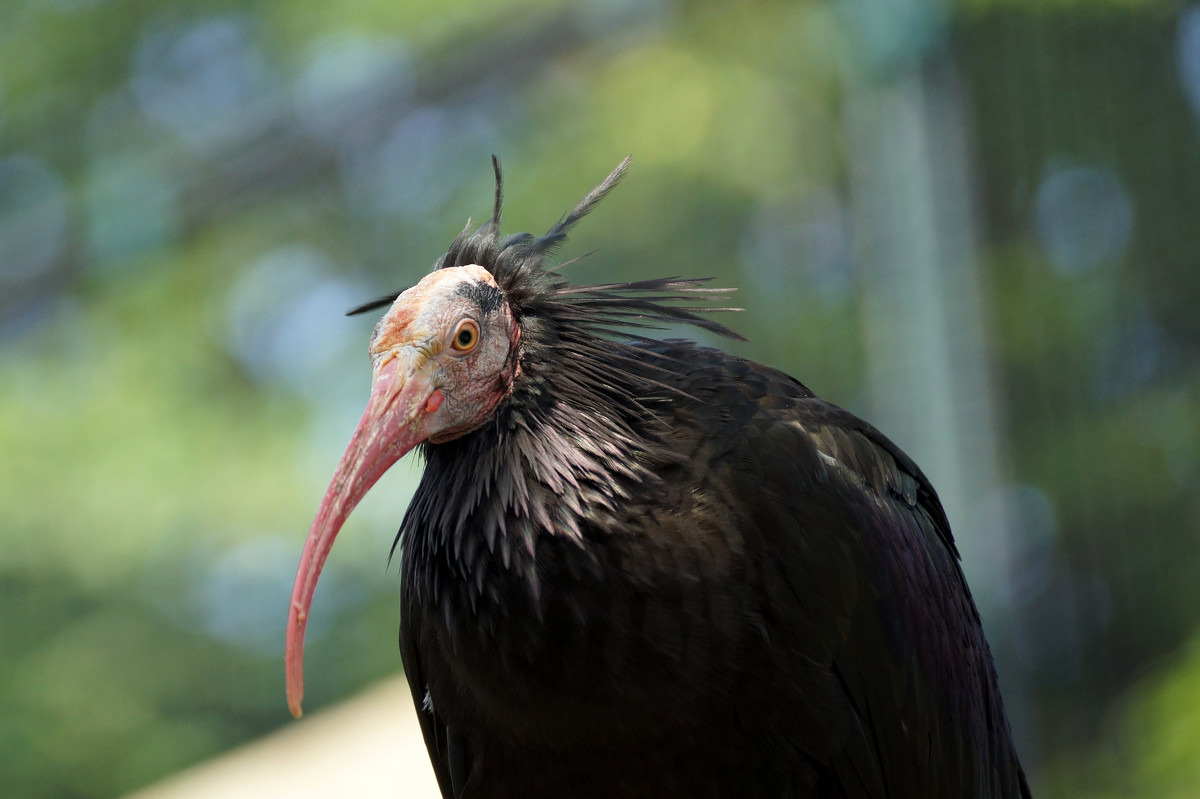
<point x="877" y="675"/>
<point x="861" y="565"/>
<point x="447" y="750"/>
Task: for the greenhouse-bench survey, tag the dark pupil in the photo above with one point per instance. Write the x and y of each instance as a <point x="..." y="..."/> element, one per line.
<point x="465" y="337"/>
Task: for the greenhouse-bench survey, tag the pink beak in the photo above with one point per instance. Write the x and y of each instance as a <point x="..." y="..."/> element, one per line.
<point x="393" y="423"/>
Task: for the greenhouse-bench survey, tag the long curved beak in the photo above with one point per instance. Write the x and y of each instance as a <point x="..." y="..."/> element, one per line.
<point x="392" y="424"/>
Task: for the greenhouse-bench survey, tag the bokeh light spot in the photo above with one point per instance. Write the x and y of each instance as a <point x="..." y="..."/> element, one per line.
<point x="33" y="217"/>
<point x="1188" y="45"/>
<point x="205" y="81"/>
<point x="286" y="318"/>
<point x="417" y="166"/>
<point x="348" y="77"/>
<point x="1084" y="217"/>
<point x="240" y="594"/>
<point x="130" y="207"/>
<point x="801" y="246"/>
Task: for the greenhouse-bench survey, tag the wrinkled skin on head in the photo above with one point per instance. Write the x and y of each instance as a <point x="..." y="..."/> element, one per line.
<point x="443" y="357"/>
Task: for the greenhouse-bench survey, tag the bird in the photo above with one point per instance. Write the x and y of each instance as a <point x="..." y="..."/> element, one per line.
<point x="642" y="567"/>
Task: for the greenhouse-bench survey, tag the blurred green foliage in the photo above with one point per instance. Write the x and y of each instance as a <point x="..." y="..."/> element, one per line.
<point x="191" y="192"/>
<point x="1149" y="746"/>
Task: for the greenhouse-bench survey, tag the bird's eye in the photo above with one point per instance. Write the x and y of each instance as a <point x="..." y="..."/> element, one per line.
<point x="466" y="336"/>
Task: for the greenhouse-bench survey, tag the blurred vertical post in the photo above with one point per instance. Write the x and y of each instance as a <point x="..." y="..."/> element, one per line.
<point x="924" y="306"/>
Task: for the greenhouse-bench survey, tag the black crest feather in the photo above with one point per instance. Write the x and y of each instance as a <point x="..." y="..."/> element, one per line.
<point x="518" y="262"/>
<point x="590" y="389"/>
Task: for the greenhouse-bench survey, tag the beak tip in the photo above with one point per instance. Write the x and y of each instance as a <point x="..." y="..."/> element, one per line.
<point x="294" y="660"/>
<point x="295" y="691"/>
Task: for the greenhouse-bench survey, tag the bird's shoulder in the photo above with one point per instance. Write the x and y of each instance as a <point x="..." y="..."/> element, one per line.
<point x="734" y="414"/>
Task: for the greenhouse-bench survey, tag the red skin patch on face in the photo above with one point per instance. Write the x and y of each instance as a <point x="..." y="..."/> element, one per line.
<point x="395" y="324"/>
<point x="434" y="402"/>
<point x="394" y="329"/>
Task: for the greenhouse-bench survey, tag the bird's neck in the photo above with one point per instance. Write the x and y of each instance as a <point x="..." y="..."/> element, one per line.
<point x="490" y="503"/>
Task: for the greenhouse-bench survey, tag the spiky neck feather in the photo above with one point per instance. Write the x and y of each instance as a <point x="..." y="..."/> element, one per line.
<point x="577" y="437"/>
